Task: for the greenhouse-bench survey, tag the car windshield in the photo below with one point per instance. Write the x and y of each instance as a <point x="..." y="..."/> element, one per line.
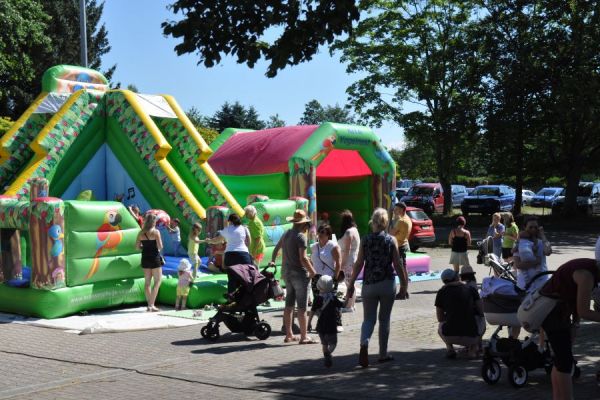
<point x="547" y="192"/>
<point x="584" y="190"/>
<point x="405" y="184"/>
<point x="420" y="191"/>
<point x="417" y="214"/>
<point x="486" y="191"/>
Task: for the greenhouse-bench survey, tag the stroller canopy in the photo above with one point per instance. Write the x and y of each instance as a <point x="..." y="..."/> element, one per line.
<point x="252" y="286"/>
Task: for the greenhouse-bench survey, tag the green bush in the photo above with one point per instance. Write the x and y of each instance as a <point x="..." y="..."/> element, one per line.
<point x="5" y="124"/>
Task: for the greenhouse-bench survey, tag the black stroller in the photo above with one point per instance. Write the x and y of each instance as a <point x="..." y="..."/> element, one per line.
<point x="247" y="289"/>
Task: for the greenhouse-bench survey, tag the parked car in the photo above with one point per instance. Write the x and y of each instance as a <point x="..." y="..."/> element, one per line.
<point x="422" y="228"/>
<point x="526" y="196"/>
<point x="404" y="185"/>
<point x="427" y="196"/>
<point x="488" y="199"/>
<point x="470" y="189"/>
<point x="588" y="199"/>
<point x="458" y="194"/>
<point x="546" y="196"/>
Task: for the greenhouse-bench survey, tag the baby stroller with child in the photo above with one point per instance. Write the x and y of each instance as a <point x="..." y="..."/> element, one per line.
<point x="248" y="287"/>
<point x="501" y="300"/>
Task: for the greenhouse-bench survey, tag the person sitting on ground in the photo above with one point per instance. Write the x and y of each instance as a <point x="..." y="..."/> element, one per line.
<point x="185" y="280"/>
<point x="459" y="239"/>
<point x="457" y="306"/>
<point x="327" y="306"/>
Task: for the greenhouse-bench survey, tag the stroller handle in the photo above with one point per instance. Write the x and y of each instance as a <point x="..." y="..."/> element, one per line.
<point x="270" y="265"/>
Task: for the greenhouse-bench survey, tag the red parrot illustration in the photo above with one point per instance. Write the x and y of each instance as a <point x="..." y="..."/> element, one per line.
<point x="326" y="147"/>
<point x="109" y="237"/>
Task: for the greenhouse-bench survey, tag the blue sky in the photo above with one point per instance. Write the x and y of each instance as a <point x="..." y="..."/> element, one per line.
<point x="146" y="58"/>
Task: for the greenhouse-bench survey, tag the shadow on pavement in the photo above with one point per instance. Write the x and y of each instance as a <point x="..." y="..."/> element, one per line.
<point x="421" y="374"/>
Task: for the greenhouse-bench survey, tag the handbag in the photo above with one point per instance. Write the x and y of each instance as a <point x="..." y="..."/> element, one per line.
<point x="534" y="309"/>
<point x="162" y="260"/>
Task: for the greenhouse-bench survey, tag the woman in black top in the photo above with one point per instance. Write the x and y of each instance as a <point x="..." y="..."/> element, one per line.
<point x="150" y="242"/>
<point x="459" y="240"/>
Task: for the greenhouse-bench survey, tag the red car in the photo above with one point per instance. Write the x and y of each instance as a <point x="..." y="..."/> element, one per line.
<point x="422" y="228"/>
<point x="427" y="196"/>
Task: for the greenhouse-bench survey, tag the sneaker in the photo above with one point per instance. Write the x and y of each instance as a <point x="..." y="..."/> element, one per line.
<point x="340" y="329"/>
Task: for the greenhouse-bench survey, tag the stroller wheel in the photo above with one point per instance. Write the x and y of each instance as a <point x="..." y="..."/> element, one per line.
<point x="491" y="372"/>
<point x="262" y="330"/>
<point x="517" y="376"/>
<point x="210" y="333"/>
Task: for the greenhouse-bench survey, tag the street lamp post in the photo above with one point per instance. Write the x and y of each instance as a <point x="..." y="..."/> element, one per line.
<point x="83" y="33"/>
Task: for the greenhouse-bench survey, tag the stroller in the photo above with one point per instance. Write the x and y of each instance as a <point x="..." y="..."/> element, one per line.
<point x="247" y="288"/>
<point x="487" y="257"/>
<point x="501" y="300"/>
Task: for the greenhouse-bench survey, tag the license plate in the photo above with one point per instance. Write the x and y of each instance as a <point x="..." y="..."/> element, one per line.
<point x="474" y="206"/>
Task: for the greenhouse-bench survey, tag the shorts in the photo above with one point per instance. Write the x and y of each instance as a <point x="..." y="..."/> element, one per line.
<point x="459" y="258"/>
<point x="296" y="291"/>
<point x="151" y="262"/>
<point x="183" y="291"/>
<point x="328" y="339"/>
<point x="558" y="330"/>
<point x="507" y="252"/>
<point x="236" y="257"/>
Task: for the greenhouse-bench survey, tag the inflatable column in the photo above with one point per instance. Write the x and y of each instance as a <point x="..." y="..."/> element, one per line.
<point x="303" y="183"/>
<point x="47" y="243"/>
<point x="10" y="240"/>
<point x="39" y="188"/>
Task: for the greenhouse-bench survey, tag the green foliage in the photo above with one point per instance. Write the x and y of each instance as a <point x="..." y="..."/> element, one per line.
<point x="214" y="28"/>
<point x="5" y="124"/>
<point x="201" y="123"/>
<point x="275" y="122"/>
<point x="316" y="114"/>
<point x="133" y="88"/>
<point x="37" y="35"/>
<point x="235" y="116"/>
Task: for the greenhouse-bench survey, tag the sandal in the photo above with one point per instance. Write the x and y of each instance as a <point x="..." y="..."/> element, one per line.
<point x="291" y="339"/>
<point x="308" y="341"/>
<point x="385" y="359"/>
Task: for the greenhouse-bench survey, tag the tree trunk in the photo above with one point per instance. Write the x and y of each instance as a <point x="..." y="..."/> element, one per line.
<point x="573" y="176"/>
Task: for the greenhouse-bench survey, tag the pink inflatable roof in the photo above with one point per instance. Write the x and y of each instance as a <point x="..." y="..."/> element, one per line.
<point x="260" y="152"/>
<point x="343" y="164"/>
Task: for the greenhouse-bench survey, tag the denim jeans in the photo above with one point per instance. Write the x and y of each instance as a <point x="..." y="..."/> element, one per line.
<point x="377" y="295"/>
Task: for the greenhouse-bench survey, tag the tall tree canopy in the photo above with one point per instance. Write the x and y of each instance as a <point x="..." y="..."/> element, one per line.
<point x="235" y="116"/>
<point x="418" y="52"/>
<point x="37" y="35"/>
<point x="283" y="32"/>
<point x="316" y="114"/>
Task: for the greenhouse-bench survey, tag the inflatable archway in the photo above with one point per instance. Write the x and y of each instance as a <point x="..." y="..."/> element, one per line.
<point x="335" y="166"/>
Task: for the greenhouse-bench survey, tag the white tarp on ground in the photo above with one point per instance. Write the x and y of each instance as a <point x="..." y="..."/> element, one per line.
<point x="52" y="103"/>
<point x="108" y="321"/>
<point x="156" y="106"/>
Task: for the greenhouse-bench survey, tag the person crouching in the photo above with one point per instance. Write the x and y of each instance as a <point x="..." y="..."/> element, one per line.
<point x="457" y="306"/>
<point x="327" y="306"/>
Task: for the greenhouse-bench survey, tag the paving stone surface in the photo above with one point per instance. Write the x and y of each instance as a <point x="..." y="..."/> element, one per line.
<point x="40" y="363"/>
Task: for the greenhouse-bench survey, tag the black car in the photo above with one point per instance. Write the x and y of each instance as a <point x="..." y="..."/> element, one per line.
<point x="488" y="199"/>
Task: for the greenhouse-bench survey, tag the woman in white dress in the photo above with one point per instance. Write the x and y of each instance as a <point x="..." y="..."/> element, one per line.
<point x="349" y="244"/>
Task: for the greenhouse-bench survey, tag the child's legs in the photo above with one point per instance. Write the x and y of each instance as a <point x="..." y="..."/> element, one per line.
<point x="183" y="302"/>
<point x="177" y="300"/>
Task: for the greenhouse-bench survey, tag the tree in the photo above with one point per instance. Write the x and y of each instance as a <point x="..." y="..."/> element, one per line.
<point x="201" y="123"/>
<point x="419" y="51"/>
<point x="235" y="116"/>
<point x="133" y="88"/>
<point x="215" y="28"/>
<point x="275" y="122"/>
<point x="22" y="37"/>
<point x="57" y="43"/>
<point x="316" y="114"/>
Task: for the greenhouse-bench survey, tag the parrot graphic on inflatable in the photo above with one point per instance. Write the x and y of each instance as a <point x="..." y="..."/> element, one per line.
<point x="109" y="236"/>
<point x="55" y="233"/>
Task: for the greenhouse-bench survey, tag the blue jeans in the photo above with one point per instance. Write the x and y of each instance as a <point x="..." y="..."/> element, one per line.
<point x="377" y="295"/>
